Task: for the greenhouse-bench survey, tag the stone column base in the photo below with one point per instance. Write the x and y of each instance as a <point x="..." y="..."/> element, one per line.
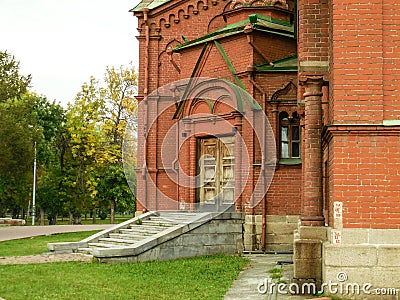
<point x="307" y="256"/>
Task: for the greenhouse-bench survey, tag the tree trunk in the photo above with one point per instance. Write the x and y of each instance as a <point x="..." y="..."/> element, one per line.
<point x="41" y="216"/>
<point x="71" y="218"/>
<point x="94" y="213"/>
<point x="53" y="219"/>
<point x="77" y="219"/>
<point x="112" y="214"/>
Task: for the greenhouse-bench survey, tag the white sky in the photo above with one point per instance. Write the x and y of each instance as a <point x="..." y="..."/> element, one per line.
<point x="63" y="42"/>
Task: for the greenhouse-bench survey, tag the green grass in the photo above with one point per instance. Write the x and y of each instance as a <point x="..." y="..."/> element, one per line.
<point x="38" y="245"/>
<point x="87" y="221"/>
<point x="194" y="278"/>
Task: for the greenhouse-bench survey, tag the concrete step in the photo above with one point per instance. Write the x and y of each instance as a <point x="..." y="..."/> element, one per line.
<point x="159" y="223"/>
<point x="138" y="233"/>
<point x="177" y="215"/>
<point x="110" y="240"/>
<point x="101" y="245"/>
<point x="150" y="229"/>
<point x="85" y="251"/>
<point x="133" y="234"/>
<point x="161" y="220"/>
<point x="133" y="237"/>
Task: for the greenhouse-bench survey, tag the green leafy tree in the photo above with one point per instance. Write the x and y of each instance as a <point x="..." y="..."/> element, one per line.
<point x="17" y="134"/>
<point x="96" y="124"/>
<point x="113" y="185"/>
<point x="18" y="131"/>
<point x="12" y="83"/>
<point x="27" y="120"/>
<point x="87" y="141"/>
<point x="50" y="118"/>
<point x="121" y="106"/>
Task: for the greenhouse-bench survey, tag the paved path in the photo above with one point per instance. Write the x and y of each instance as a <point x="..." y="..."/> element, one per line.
<point x="20" y="232"/>
<point x="245" y="287"/>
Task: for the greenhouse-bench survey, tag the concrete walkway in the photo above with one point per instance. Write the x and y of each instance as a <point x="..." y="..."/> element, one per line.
<point x="247" y="285"/>
<point x="19" y="232"/>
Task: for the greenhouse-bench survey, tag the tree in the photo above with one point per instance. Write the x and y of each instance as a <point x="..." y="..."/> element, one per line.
<point x="12" y="84"/>
<point x="18" y="131"/>
<point x="113" y="187"/>
<point x="121" y="105"/>
<point x="87" y="141"/>
<point x="50" y="118"/>
<point x="96" y="124"/>
<point x="25" y="121"/>
<point x="16" y="135"/>
<point x="120" y="101"/>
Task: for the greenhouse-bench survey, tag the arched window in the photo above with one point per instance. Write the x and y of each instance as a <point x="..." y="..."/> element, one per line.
<point x="289" y="135"/>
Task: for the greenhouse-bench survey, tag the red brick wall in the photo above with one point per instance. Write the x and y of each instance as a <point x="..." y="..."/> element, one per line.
<point x="313" y="34"/>
<point x="274" y="47"/>
<point x="283" y="197"/>
<point x="391" y="59"/>
<point x="363" y="161"/>
<point x="365" y="73"/>
<point x="358" y="63"/>
<point x="166" y="29"/>
<point x="365" y="175"/>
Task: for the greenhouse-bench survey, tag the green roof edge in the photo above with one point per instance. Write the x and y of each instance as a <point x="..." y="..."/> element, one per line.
<point x="277" y="68"/>
<point x="238" y="27"/>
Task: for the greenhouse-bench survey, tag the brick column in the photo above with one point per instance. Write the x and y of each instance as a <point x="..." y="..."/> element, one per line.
<point x="311" y="209"/>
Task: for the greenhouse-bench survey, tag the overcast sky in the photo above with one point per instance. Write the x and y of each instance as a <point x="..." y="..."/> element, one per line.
<point x="61" y="43"/>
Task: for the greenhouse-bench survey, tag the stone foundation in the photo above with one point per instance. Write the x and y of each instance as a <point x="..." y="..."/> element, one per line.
<point x="364" y="256"/>
<point x="307" y="254"/>
<point x="279" y="232"/>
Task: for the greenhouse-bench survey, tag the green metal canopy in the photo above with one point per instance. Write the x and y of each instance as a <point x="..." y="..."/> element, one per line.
<point x="257" y="21"/>
<point x="280" y="65"/>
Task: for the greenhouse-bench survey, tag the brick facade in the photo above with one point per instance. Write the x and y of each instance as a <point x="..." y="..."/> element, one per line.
<point x="163" y="30"/>
<point x="344" y="87"/>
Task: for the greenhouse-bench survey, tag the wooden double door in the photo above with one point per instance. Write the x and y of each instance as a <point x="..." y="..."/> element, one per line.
<point x="216" y="172"/>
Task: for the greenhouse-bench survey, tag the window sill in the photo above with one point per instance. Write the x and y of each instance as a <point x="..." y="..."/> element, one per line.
<point x="290" y="161"/>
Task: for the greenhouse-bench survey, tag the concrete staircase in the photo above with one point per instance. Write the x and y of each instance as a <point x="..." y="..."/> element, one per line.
<point x="159" y="235"/>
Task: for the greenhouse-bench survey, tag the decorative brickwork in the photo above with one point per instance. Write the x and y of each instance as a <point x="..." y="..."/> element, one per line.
<point x="332" y="62"/>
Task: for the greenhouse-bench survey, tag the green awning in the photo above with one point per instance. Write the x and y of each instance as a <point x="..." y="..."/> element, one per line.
<point x="280" y="65"/>
<point x="258" y="22"/>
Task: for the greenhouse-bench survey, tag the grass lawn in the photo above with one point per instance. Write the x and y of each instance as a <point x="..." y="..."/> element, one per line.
<point x="85" y="221"/>
<point x="38" y="245"/>
<point x="194" y="278"/>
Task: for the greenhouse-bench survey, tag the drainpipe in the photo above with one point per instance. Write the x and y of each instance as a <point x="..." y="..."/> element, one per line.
<point x="262" y="171"/>
<point x="175" y="162"/>
<point x="171" y="60"/>
<point x="146" y="52"/>
<point x="145" y="94"/>
<point x="248" y="30"/>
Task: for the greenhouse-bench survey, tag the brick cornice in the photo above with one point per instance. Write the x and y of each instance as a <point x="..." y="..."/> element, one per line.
<point x="331" y="130"/>
<point x="173" y="12"/>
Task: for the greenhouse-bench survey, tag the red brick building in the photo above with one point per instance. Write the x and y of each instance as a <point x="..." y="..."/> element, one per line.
<point x="325" y="74"/>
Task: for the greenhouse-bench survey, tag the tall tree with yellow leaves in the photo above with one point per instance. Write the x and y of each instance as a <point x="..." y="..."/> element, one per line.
<point x="120" y="107"/>
<point x="96" y="124"/>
